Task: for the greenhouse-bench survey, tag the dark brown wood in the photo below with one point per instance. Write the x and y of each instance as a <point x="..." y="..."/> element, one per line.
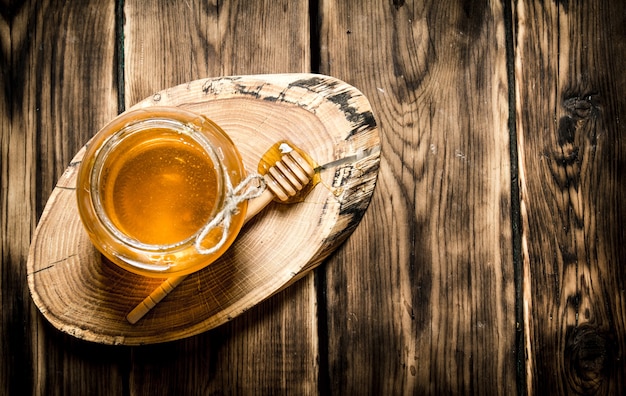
<point x="420" y="299"/>
<point x="430" y="309"/>
<point x="170" y="43"/>
<point x="278" y="352"/>
<point x="569" y="70"/>
<point x="59" y="87"/>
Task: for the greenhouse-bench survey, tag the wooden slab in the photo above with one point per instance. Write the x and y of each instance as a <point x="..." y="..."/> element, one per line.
<point x="82" y="294"/>
<point x="572" y="179"/>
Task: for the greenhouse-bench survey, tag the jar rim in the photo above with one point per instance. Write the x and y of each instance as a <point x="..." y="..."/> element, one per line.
<point x="133" y="128"/>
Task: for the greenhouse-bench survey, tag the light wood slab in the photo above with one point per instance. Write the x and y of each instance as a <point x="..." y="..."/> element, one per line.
<point x="82" y="294"/>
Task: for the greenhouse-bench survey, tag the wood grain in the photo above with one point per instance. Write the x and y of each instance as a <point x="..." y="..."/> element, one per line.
<point x="18" y="213"/>
<point x="225" y="38"/>
<point x="170" y="43"/>
<point x="429" y="308"/>
<point x="55" y="94"/>
<point x="432" y="309"/>
<point x="572" y="185"/>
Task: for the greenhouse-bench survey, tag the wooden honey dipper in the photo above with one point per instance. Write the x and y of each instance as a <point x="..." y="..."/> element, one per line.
<point x="284" y="179"/>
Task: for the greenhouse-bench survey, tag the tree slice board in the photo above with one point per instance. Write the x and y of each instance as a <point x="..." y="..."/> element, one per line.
<point x="82" y="294"/>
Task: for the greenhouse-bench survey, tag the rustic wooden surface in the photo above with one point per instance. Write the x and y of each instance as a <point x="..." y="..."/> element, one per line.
<point x="89" y="298"/>
<point x="572" y="195"/>
<point x="490" y="258"/>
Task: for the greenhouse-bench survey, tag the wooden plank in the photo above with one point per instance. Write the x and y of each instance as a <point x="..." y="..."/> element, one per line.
<point x="17" y="203"/>
<point x="272" y="347"/>
<point x="58" y="89"/>
<point x="421" y="298"/>
<point x="569" y="73"/>
<point x="170" y="44"/>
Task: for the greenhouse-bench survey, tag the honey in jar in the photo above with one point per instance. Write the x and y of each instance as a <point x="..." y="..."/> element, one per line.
<point x="166" y="180"/>
<point x="148" y="184"/>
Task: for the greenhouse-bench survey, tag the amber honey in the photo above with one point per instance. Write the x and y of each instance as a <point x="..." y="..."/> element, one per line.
<point x="150" y="182"/>
<point x="275" y="153"/>
<point x="159" y="187"/>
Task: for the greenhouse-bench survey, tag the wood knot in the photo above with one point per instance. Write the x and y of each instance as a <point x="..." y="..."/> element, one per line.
<point x="582" y="106"/>
<point x="398" y="4"/>
<point x="588" y="358"/>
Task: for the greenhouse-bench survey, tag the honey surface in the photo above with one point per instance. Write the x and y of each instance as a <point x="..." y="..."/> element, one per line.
<point x="160" y="191"/>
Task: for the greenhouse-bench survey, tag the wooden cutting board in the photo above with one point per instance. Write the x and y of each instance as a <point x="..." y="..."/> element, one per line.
<point x="84" y="295"/>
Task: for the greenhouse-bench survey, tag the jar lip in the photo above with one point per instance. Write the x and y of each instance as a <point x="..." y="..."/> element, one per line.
<point x="133" y="128"/>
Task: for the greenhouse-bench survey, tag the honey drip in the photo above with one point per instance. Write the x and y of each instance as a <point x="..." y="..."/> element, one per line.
<point x="274" y="154"/>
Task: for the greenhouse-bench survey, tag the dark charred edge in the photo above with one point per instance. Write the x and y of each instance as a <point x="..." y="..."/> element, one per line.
<point x="314" y="36"/>
<point x="274" y="99"/>
<point x="342" y="97"/>
<point x="516" y="223"/>
<point x="361" y="120"/>
<point x="244" y="90"/>
<point x="353" y="208"/>
<point x="314" y="83"/>
<point x="119" y="56"/>
<point x="209" y="89"/>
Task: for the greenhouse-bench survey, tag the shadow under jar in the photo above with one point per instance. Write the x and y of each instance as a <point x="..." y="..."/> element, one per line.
<point x="148" y="185"/>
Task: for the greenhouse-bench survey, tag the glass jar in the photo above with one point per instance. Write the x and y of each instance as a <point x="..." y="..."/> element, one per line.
<point x="150" y="182"/>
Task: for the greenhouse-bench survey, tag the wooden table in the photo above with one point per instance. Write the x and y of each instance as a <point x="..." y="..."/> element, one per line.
<point x="491" y="259"/>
